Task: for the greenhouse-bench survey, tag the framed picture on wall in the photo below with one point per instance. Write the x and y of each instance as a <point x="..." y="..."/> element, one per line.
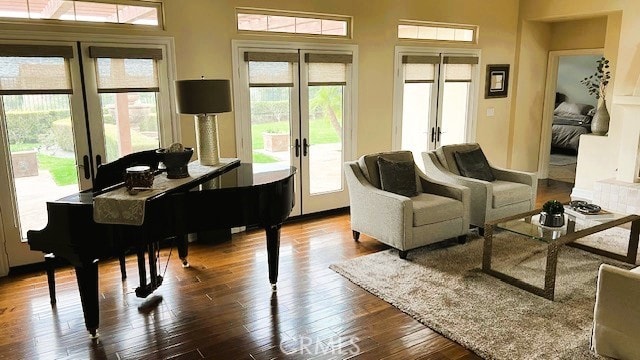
<point x="497" y="81"/>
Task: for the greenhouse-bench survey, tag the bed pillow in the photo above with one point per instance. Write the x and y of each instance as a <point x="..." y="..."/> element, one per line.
<point x="474" y="164"/>
<point x="572" y="108"/>
<point x="571" y="119"/>
<point x="398" y="177"/>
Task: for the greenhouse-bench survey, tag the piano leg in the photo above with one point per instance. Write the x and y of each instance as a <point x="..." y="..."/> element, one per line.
<point x="87" y="277"/>
<point x="273" y="252"/>
<point x="156" y="280"/>
<point x="141" y="291"/>
<point x="182" y="243"/>
<point x="123" y="267"/>
<point x="51" y="276"/>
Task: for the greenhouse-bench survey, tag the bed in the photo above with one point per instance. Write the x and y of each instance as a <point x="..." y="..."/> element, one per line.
<point x="570" y="120"/>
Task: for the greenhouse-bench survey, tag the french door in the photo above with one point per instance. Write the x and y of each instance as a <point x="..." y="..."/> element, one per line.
<point x="65" y="108"/>
<point x="294" y="108"/>
<point x="435" y="97"/>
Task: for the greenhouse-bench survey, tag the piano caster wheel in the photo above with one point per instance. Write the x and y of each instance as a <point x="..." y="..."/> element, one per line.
<point x="93" y="334"/>
<point x="273" y="288"/>
<point x="185" y="263"/>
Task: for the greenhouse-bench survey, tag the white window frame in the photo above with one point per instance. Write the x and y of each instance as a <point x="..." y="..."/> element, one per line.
<point x="157" y="4"/>
<point x="242" y="118"/>
<point x="418" y="23"/>
<point x="295" y="14"/>
<point x="166" y="123"/>
<point x="168" y="114"/>
<point x="398" y="90"/>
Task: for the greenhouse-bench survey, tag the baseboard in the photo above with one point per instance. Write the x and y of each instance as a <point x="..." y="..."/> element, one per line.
<point x="581" y="194"/>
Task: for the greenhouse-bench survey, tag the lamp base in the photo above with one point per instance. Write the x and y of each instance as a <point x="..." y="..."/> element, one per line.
<point x="207" y="139"/>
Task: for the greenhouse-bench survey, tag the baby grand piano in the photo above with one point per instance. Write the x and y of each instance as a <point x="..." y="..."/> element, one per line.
<point x="234" y="196"/>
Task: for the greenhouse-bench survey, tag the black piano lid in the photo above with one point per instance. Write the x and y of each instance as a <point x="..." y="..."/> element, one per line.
<point x="248" y="174"/>
<point x="244" y="175"/>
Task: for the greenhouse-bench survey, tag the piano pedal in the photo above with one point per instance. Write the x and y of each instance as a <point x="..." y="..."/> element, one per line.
<point x="93" y="334"/>
<point x="185" y="263"/>
<point x="146" y="290"/>
<point x="149" y="304"/>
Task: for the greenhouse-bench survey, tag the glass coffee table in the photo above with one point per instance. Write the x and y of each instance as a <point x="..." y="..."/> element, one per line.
<point x="526" y="224"/>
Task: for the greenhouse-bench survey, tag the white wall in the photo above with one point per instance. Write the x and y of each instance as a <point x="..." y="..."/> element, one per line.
<point x="571" y="70"/>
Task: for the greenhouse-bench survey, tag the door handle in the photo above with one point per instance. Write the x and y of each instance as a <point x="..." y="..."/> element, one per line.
<point x="439" y="133"/>
<point x="305" y="147"/>
<point x="433" y="134"/>
<point x="86" y="167"/>
<point x="98" y="160"/>
<point x="297" y="147"/>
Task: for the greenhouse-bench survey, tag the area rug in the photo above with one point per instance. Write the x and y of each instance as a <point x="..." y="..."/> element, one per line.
<point x="562" y="159"/>
<point x="444" y="288"/>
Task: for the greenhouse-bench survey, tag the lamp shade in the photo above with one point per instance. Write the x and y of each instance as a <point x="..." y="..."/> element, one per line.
<point x="203" y="96"/>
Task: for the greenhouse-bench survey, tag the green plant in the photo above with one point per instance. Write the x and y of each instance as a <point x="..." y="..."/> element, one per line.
<point x="553" y="207"/>
<point x="63" y="134"/>
<point x="597" y="83"/>
<point x="149" y="122"/>
<point x="139" y="142"/>
<point x="27" y="126"/>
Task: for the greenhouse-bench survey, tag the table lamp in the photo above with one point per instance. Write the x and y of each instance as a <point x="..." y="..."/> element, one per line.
<point x="205" y="98"/>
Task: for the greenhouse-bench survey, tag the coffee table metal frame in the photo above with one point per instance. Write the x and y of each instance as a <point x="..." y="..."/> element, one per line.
<point x="553" y="247"/>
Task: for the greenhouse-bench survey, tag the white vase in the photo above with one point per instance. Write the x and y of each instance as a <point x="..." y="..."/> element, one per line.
<point x="600" y="121"/>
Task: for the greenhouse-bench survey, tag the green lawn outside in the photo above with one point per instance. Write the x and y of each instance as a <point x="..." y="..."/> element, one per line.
<point x="320" y="130"/>
<point x="263" y="158"/>
<point x="63" y="170"/>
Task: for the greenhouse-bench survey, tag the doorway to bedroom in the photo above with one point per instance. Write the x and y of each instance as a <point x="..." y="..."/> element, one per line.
<point x="571" y="111"/>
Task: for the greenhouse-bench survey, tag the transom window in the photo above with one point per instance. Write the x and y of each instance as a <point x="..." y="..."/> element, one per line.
<point x="116" y="12"/>
<point x="437" y="31"/>
<point x="274" y="21"/>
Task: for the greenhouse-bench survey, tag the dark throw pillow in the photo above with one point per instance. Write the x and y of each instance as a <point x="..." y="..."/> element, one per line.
<point x="474" y="164"/>
<point x="398" y="177"/>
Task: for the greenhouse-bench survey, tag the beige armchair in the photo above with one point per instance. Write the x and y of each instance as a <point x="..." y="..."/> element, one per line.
<point x="511" y="193"/>
<point x="616" y="316"/>
<point x="437" y="212"/>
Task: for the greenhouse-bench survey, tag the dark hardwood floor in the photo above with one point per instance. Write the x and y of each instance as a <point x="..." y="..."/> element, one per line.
<point x="222" y="307"/>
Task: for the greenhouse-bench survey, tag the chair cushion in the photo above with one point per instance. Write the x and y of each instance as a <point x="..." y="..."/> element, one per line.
<point x="398" y="177"/>
<point x="369" y="165"/>
<point x="507" y="193"/>
<point x="474" y="164"/>
<point x="446" y="157"/>
<point x="431" y="209"/>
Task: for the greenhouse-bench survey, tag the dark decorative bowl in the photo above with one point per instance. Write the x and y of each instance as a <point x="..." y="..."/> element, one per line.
<point x="551" y="220"/>
<point x="176" y="162"/>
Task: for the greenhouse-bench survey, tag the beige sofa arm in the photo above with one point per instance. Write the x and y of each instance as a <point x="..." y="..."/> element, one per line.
<point x="458" y="192"/>
<point x="616" y="318"/>
<point x="522" y="177"/>
<point x="481" y="191"/>
<point x="380" y="214"/>
<point x="450" y="190"/>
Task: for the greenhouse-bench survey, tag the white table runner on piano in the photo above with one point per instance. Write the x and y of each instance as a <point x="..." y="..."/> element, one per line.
<point x="119" y="207"/>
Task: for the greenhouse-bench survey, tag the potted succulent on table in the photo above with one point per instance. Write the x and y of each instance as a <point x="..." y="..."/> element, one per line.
<point x="552" y="214"/>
